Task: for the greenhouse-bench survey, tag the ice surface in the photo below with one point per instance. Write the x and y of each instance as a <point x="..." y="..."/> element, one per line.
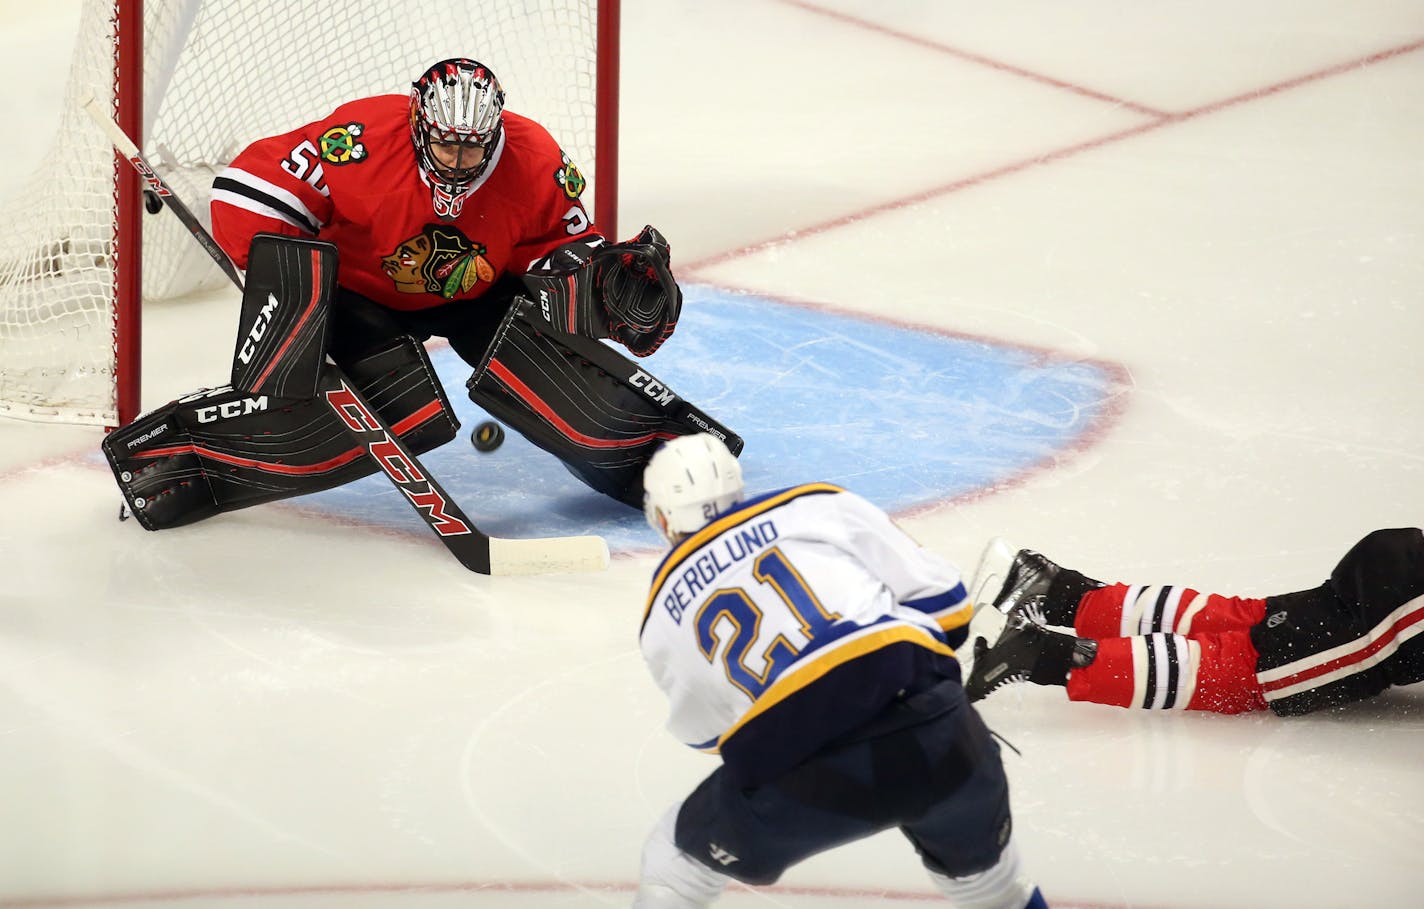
<point x="1222" y="205"/>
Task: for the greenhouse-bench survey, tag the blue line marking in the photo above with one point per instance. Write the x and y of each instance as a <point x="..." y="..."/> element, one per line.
<point x="903" y="416"/>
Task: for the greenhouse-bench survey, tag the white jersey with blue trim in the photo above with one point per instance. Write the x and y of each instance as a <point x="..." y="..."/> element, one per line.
<point x="772" y="595"/>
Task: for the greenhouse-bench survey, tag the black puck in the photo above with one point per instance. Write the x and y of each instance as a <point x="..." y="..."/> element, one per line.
<point x="487" y="436"/>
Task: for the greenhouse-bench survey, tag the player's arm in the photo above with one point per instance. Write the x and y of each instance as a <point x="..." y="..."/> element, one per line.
<point x="276" y="185"/>
<point x="918" y="578"/>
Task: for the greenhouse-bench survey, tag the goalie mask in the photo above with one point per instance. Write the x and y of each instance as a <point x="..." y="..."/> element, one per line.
<point x="456" y="125"/>
<point x="688" y="482"/>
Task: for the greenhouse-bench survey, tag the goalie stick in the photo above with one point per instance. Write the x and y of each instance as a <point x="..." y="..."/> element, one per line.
<point x="476" y="550"/>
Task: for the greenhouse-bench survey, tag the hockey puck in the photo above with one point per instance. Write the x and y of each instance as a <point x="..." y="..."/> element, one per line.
<point x="487" y="436"/>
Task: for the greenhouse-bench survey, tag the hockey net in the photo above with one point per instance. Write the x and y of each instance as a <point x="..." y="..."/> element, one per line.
<point x="217" y="75"/>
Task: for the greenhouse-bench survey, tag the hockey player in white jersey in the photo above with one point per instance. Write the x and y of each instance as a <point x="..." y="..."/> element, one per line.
<point x="807" y="640"/>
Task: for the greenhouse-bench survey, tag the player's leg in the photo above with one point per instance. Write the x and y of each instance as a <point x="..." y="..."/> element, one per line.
<point x="893" y="768"/>
<point x="1311" y="649"/>
<point x="753" y="835"/>
<point x="1343" y="641"/>
<point x="1353" y="636"/>
<point x="1165" y="671"/>
<point x="1122" y="610"/>
<point x="1066" y="598"/>
<point x="1158" y="671"/>
<point x="964" y="838"/>
<point x="223" y="449"/>
<point x="668" y="878"/>
<point x="1382" y="577"/>
<point x="1004" y="886"/>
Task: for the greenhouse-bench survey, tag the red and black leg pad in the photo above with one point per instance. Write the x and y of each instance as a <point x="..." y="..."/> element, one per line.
<point x="584" y="403"/>
<point x="283" y="330"/>
<point x="223" y="449"/>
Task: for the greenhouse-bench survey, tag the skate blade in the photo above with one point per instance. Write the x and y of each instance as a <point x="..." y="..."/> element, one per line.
<point x="990" y="575"/>
<point x="988" y="623"/>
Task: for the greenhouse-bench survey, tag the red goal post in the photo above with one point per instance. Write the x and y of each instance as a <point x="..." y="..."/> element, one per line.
<point x="198" y="80"/>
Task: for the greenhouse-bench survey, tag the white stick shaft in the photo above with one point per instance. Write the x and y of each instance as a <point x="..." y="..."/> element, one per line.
<point x="118" y="137"/>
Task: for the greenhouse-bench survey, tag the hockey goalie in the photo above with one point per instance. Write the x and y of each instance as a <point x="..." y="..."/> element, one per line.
<point x="439" y="214"/>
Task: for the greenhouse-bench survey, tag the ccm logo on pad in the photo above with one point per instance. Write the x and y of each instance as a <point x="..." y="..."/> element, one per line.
<point x="259" y="328"/>
<point x="651" y="387"/>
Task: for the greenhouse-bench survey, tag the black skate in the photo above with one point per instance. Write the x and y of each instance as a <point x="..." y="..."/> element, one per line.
<point x="1009" y="660"/>
<point x="1024" y="651"/>
<point x="1026" y="584"/>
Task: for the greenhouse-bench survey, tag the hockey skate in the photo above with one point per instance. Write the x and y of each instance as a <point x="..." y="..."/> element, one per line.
<point x="1008" y="640"/>
<point x="1023" y="651"/>
<point x="1011" y="583"/>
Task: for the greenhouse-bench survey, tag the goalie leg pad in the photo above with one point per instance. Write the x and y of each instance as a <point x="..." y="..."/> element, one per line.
<point x="223" y="449"/>
<point x="582" y="402"/>
<point x="283" y="332"/>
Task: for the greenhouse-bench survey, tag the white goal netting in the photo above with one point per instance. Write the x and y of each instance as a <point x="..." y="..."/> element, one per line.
<point x="219" y="74"/>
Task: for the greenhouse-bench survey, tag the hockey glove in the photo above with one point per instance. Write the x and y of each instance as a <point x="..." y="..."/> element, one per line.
<point x="623" y="291"/>
<point x="638" y="291"/>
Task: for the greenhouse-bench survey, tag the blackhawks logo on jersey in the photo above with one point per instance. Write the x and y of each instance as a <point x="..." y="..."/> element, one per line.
<point x="439" y="260"/>
<point x="339" y="144"/>
<point x="569" y="178"/>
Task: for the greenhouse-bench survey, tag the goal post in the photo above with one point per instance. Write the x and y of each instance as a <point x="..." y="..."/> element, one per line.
<point x="194" y="82"/>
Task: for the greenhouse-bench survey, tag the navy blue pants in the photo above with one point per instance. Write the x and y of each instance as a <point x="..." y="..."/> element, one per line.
<point x="928" y="766"/>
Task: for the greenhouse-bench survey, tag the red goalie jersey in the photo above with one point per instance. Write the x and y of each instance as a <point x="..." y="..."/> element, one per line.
<point x="352" y="179"/>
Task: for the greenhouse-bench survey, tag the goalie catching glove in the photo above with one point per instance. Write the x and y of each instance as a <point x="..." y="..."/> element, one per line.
<point x="623" y="291"/>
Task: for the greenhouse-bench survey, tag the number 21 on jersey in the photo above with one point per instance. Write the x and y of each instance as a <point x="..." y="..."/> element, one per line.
<point x="749" y="645"/>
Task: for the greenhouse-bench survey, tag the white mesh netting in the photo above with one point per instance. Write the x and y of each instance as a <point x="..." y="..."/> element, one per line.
<point x="219" y="74"/>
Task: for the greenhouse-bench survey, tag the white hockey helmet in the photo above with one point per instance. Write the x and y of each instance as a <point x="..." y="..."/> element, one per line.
<point x="458" y="103"/>
<point x="689" y="481"/>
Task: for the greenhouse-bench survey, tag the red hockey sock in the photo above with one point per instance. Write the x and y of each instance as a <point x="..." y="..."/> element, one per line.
<point x="1123" y="610"/>
<point x="1214" y="672"/>
<point x="1108" y="679"/>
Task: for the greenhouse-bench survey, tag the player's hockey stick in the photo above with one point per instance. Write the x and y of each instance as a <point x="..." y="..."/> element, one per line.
<point x="476" y="550"/>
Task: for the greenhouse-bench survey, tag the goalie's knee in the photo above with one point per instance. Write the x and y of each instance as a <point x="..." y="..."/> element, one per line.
<point x="600" y="428"/>
<point x="584" y="403"/>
